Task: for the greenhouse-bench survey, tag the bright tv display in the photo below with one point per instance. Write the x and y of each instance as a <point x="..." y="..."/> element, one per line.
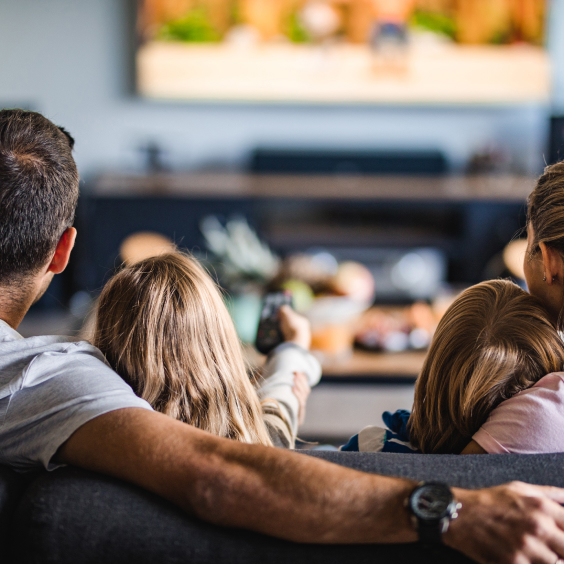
<point x="344" y="51"/>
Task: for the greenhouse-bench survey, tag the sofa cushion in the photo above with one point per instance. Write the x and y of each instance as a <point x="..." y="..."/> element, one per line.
<point x="12" y="486"/>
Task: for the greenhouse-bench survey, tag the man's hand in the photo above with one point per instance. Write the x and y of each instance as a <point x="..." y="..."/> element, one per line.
<point x="301" y="390"/>
<point x="295" y="328"/>
<point x="515" y="524"/>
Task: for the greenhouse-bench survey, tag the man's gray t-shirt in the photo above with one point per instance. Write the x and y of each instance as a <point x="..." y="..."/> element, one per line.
<point x="49" y="388"/>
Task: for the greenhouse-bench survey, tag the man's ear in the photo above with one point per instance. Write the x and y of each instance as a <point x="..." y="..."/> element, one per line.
<point x="552" y="263"/>
<point x="62" y="251"/>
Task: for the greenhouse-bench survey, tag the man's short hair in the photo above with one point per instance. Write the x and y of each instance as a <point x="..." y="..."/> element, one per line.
<point x="38" y="191"/>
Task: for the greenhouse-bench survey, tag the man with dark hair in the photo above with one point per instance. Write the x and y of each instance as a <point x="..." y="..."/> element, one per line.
<point x="38" y="198"/>
<point x="61" y="404"/>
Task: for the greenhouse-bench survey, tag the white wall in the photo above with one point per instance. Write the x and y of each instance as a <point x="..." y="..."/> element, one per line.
<point x="556" y="47"/>
<point x="68" y="59"/>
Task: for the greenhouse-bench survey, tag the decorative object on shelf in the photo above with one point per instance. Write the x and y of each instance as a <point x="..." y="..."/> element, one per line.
<point x="513" y="257"/>
<point x="406" y="328"/>
<point x="396" y="329"/>
<point x="330" y="294"/>
<point x="144" y="244"/>
<point x="244" y="265"/>
<point x="240" y="255"/>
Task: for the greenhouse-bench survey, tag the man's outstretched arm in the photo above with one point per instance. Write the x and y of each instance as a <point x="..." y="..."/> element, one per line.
<point x="302" y="499"/>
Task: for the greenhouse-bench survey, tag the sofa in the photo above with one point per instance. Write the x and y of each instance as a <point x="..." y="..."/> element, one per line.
<point x="78" y="517"/>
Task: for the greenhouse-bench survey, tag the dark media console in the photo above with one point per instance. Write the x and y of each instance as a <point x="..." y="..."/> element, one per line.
<point x="468" y="219"/>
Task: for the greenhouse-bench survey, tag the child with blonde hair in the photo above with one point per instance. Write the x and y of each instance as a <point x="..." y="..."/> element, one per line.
<point x="163" y="326"/>
<point x="495" y="342"/>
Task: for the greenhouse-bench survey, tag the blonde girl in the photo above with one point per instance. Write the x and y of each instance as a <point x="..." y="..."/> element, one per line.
<point x="494" y="342"/>
<point x="163" y="326"/>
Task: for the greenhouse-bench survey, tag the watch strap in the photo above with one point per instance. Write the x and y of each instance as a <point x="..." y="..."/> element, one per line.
<point x="430" y="533"/>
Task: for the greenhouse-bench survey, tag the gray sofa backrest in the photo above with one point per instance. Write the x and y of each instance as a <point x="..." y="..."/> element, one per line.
<point x="478" y="471"/>
<point x="72" y="516"/>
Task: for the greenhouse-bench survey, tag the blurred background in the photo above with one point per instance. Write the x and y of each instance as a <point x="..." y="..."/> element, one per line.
<point x="373" y="157"/>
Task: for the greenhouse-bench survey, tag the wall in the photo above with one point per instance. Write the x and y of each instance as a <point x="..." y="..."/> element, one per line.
<point x="69" y="60"/>
<point x="556" y="48"/>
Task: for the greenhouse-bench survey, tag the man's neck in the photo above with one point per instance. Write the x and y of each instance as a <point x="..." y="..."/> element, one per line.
<point x="13" y="317"/>
<point x="15" y="300"/>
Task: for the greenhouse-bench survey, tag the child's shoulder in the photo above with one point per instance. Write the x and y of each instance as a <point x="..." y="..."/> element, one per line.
<point x="547" y="393"/>
<point x="553" y="381"/>
<point x="530" y="422"/>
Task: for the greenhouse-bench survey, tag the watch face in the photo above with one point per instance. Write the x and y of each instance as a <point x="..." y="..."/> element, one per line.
<point x="431" y="502"/>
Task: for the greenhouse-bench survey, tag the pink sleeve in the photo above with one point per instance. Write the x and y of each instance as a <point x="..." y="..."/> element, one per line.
<point x="487" y="442"/>
<point x="530" y="422"/>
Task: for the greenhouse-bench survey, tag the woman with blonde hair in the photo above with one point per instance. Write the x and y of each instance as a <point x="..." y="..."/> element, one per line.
<point x="533" y="421"/>
<point x="162" y="325"/>
<point x="493" y="380"/>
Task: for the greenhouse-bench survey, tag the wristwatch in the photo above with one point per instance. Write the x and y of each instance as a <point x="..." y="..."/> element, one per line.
<point x="433" y="507"/>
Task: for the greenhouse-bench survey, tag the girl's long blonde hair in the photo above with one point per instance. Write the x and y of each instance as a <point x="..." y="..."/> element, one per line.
<point x="163" y="326"/>
<point x="494" y="341"/>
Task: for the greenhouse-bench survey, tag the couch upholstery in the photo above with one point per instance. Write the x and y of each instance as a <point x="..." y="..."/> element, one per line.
<point x="72" y="516"/>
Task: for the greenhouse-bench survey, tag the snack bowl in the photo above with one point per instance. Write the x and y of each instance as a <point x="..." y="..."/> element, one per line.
<point x="333" y="322"/>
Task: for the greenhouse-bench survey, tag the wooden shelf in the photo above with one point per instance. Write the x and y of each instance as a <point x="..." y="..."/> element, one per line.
<point x="365" y="367"/>
<point x="503" y="188"/>
<point x="368" y="366"/>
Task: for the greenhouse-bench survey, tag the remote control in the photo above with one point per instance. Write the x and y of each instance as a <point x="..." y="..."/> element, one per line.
<point x="269" y="335"/>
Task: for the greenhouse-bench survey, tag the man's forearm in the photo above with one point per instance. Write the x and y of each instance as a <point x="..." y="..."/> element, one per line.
<point x="276" y="492"/>
<point x="300" y="498"/>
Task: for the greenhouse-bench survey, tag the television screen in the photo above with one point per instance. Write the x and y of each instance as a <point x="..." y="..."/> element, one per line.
<point x="343" y="51"/>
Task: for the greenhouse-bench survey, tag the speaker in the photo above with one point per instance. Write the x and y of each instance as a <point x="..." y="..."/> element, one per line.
<point x="288" y="161"/>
